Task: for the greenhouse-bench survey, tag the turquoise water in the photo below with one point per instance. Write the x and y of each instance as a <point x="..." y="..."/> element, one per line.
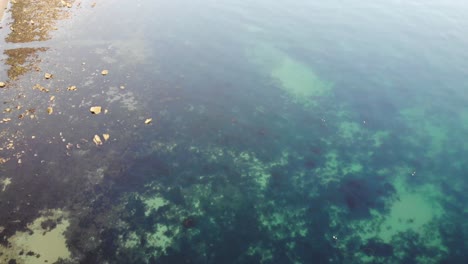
<point x="254" y="132"/>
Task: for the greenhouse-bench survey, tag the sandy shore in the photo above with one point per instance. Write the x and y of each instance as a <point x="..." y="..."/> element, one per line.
<point x="3" y="5"/>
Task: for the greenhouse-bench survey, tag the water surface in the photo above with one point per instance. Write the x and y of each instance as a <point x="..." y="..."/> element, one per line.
<point x="239" y="132"/>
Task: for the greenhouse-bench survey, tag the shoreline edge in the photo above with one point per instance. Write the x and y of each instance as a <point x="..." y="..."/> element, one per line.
<point x="3" y="6"/>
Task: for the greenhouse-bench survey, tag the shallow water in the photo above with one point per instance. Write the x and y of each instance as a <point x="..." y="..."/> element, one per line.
<point x="280" y="132"/>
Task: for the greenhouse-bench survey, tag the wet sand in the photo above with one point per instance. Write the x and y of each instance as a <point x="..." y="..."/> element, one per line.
<point x="3" y="5"/>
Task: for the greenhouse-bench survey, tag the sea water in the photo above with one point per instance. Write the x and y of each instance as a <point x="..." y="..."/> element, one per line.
<point x="237" y="132"/>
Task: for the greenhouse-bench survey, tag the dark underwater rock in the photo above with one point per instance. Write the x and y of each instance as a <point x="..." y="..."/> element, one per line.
<point x="377" y="249"/>
<point x="362" y="194"/>
<point x="189" y="222"/>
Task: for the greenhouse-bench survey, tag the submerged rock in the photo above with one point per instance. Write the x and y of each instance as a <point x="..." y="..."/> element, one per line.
<point x="97" y="140"/>
<point x="377" y="249"/>
<point x="148" y="121"/>
<point x="95" y="110"/>
<point x="189" y="222"/>
<point x="40" y="88"/>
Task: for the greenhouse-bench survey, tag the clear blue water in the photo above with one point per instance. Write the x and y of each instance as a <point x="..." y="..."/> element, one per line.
<point x="284" y="132"/>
